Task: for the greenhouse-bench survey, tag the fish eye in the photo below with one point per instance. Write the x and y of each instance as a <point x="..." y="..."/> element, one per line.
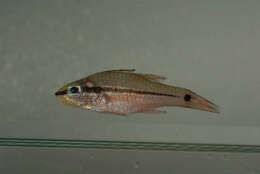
<point x="74" y="90"/>
<point x="187" y="97"/>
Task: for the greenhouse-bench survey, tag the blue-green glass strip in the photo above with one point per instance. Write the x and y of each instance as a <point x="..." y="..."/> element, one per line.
<point x="131" y="145"/>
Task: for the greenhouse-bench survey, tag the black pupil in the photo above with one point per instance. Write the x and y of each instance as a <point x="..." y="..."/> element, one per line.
<point x="74" y="90"/>
<point x="187" y="97"/>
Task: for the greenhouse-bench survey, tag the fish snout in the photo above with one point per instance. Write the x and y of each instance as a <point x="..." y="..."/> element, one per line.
<point x="60" y="93"/>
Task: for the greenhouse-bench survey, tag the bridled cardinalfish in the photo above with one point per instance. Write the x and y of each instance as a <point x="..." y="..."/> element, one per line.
<point x="124" y="92"/>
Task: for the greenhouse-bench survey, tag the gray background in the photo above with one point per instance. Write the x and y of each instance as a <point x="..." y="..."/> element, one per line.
<point x="211" y="48"/>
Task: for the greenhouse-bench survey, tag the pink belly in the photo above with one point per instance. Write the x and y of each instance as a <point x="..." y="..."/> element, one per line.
<point x="127" y="103"/>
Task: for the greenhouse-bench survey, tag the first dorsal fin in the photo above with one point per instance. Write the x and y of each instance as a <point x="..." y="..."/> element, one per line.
<point x="153" y="77"/>
<point x="123" y="70"/>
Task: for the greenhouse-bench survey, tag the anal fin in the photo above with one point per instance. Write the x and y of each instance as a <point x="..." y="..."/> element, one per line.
<point x="153" y="111"/>
<point x="115" y="113"/>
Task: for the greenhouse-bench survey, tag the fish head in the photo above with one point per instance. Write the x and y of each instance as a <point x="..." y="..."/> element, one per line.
<point x="71" y="94"/>
<point x="81" y="93"/>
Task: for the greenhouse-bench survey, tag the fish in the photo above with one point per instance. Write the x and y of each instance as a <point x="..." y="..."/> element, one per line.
<point x="124" y="92"/>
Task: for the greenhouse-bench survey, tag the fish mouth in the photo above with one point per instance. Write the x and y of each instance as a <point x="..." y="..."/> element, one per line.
<point x="62" y="98"/>
<point x="60" y="93"/>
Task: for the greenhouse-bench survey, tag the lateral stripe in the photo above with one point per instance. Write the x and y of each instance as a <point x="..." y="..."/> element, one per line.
<point x="107" y="89"/>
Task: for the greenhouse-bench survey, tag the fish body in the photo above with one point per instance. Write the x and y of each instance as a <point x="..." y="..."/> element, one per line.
<point x="124" y="92"/>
